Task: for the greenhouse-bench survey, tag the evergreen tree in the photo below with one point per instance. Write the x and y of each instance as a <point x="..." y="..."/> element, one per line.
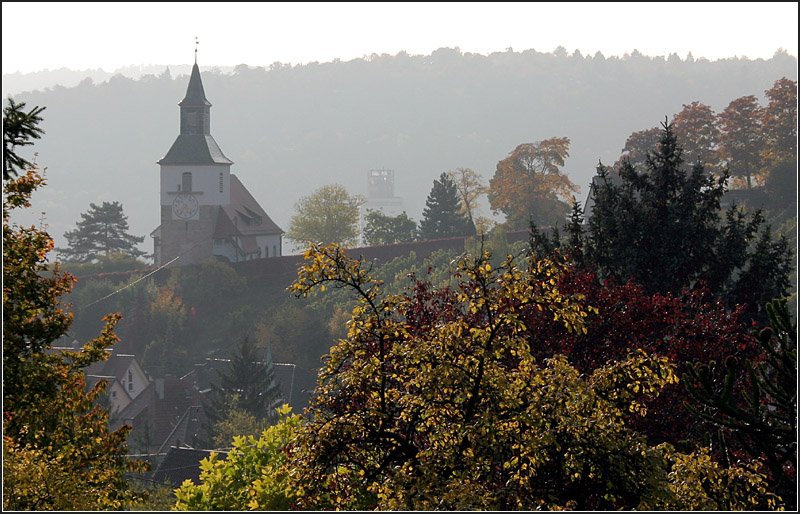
<point x="664" y="228"/>
<point x="247" y="384"/>
<point x="102" y="231"/>
<point x="442" y="214"/>
<point x="19" y="127"/>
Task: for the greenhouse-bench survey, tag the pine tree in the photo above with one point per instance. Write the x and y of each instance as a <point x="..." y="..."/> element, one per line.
<point x="664" y="228"/>
<point x="441" y="216"/>
<point x="248" y="383"/>
<point x="102" y="231"/>
<point x="19" y="127"/>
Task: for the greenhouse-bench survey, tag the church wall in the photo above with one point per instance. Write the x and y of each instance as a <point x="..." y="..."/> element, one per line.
<point x="270" y="245"/>
<point x="191" y="239"/>
<point x="205" y="178"/>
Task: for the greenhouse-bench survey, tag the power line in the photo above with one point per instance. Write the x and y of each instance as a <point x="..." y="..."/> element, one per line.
<point x="130" y="285"/>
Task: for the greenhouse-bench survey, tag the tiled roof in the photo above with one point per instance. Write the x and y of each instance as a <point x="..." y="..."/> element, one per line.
<point x="195" y="149"/>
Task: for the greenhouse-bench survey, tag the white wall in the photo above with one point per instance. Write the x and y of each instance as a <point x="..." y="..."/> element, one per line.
<point x="205" y="178"/>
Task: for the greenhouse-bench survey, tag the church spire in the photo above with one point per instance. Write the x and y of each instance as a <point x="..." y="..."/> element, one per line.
<point x="195" y="145"/>
<point x="195" y="95"/>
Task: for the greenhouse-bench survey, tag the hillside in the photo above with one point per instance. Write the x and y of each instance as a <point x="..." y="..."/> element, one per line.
<point x="291" y="129"/>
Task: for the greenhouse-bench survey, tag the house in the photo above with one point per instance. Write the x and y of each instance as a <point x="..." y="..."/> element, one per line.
<point x="125" y="376"/>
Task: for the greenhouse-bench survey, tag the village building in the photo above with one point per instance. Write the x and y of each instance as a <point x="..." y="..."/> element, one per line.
<point x="205" y="209"/>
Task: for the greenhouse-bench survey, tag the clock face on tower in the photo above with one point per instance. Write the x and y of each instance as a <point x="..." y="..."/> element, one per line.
<point x="185" y="206"/>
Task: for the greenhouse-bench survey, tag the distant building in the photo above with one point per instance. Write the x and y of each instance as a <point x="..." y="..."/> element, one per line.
<point x="380" y="195"/>
<point x="205" y="210"/>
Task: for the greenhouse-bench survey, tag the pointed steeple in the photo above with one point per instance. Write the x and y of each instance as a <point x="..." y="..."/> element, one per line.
<point x="195" y="94"/>
<point x="195" y="145"/>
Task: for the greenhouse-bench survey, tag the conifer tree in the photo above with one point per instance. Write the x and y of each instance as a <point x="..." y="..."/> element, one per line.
<point x="247" y="384"/>
<point x="664" y="228"/>
<point x="103" y="230"/>
<point x="442" y="214"/>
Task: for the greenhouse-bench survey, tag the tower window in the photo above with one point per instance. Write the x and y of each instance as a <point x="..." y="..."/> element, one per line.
<point x="186" y="182"/>
<point x="220" y="182"/>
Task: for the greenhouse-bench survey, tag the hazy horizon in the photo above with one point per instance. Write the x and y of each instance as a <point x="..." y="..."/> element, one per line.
<point x="299" y="33"/>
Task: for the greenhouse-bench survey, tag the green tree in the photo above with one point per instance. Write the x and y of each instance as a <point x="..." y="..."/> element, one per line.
<point x="762" y="413"/>
<point x="58" y="453"/>
<point x="380" y="229"/>
<point x="433" y="401"/>
<point x="662" y="228"/>
<point x="19" y="128"/>
<point x="102" y="231"/>
<point x="528" y="185"/>
<point x="329" y="214"/>
<point x="253" y="476"/>
<point x="741" y="137"/>
<point x="442" y="214"/>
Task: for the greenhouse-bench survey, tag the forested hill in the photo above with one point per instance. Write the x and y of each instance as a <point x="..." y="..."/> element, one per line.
<point x="291" y="129"/>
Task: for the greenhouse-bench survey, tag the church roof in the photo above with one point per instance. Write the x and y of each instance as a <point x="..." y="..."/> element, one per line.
<point x="243" y="216"/>
<point x="195" y="95"/>
<point x="195" y="149"/>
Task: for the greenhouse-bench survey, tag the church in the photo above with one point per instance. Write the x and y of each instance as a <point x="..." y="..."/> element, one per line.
<point x="205" y="209"/>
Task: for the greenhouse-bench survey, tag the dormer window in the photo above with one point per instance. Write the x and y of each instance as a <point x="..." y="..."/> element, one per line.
<point x="130" y="380"/>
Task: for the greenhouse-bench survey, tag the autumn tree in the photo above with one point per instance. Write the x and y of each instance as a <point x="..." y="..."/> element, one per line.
<point x="19" y="129"/>
<point x="434" y="401"/>
<point x="442" y="215"/>
<point x="687" y="328"/>
<point x="638" y="145"/>
<point x="780" y="121"/>
<point x="470" y="187"/>
<point x="329" y="214"/>
<point x="528" y="185"/>
<point x="102" y="231"/>
<point x="381" y="229"/>
<point x="697" y="132"/>
<point x="741" y="138"/>
<point x="58" y="453"/>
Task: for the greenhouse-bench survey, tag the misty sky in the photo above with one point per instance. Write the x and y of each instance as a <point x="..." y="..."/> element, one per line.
<point x="42" y="35"/>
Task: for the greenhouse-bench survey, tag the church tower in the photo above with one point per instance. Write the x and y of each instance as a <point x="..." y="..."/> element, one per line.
<point x="205" y="210"/>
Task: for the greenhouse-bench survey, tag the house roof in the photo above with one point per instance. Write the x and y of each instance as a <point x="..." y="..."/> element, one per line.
<point x="195" y="149"/>
<point x="115" y="366"/>
<point x="181" y="464"/>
